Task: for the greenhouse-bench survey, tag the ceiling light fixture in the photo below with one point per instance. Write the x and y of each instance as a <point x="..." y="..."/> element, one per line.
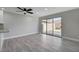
<point x="37" y="12"/>
<point x="45" y="9"/>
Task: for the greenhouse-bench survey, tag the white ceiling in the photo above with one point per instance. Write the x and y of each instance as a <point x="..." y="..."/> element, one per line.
<point x="40" y="11"/>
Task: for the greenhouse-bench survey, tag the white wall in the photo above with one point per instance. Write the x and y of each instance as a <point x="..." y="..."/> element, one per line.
<point x="70" y="21"/>
<point x="19" y="24"/>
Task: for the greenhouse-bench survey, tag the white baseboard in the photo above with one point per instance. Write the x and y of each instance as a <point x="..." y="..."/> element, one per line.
<point x="69" y="38"/>
<point x="19" y="36"/>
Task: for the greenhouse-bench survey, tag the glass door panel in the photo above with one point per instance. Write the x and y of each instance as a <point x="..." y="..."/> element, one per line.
<point x="57" y="26"/>
<point x="50" y="26"/>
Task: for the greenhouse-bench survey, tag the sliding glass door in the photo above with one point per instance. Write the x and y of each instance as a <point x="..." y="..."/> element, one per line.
<point x="52" y="26"/>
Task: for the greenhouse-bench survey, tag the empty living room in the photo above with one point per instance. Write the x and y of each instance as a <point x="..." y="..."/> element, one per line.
<point x="39" y="29"/>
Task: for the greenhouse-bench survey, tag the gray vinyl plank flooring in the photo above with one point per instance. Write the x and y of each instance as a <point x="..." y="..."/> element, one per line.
<point x="39" y="43"/>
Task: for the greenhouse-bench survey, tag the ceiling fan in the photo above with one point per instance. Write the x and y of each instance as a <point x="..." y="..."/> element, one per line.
<point x="25" y="10"/>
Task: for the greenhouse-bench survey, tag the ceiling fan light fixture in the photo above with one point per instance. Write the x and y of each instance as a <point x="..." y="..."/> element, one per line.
<point x="24" y="13"/>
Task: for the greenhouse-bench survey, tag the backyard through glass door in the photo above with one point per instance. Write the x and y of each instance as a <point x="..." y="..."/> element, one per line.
<point x="52" y="26"/>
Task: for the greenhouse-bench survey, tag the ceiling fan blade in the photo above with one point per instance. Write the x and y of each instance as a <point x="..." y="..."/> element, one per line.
<point x="30" y="12"/>
<point x="20" y="8"/>
<point x="29" y="9"/>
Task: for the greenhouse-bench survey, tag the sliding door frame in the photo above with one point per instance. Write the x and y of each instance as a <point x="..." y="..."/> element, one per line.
<point x="52" y="27"/>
